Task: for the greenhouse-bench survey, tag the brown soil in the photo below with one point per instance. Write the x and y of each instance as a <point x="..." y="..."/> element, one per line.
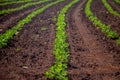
<point x="115" y="6"/>
<point x="29" y="54"/>
<point x="100" y="11"/>
<point x="90" y="58"/>
<point x="7" y="21"/>
<point x="10" y="6"/>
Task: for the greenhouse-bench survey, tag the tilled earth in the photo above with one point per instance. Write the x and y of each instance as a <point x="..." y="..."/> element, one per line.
<point x="29" y="54"/>
<point x="101" y="12"/>
<point x="92" y="55"/>
<point x="9" y="20"/>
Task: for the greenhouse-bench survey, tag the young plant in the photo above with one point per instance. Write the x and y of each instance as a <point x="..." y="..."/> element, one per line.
<point x="22" y="7"/>
<point x="54" y="18"/>
<point x="14" y="2"/>
<point x="9" y="34"/>
<point x="109" y="8"/>
<point x="43" y="28"/>
<point x="117" y="1"/>
<point x="61" y="50"/>
<point x="104" y="28"/>
<point x="118" y="41"/>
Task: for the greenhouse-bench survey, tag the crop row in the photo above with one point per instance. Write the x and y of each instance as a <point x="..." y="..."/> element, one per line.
<point x="98" y="23"/>
<point x="61" y="51"/>
<point x="22" y="7"/>
<point x="14" y="2"/>
<point x="117" y="1"/>
<point x="9" y="34"/>
<point x="3" y="1"/>
<point x="109" y="8"/>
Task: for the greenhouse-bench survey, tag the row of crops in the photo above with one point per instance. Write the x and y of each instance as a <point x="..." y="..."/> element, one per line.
<point x="104" y="28"/>
<point x="109" y="8"/>
<point x="117" y="1"/>
<point x="22" y="7"/>
<point x="15" y="2"/>
<point x="9" y="1"/>
<point x="98" y="23"/>
<point x="60" y="50"/>
<point x="5" y="37"/>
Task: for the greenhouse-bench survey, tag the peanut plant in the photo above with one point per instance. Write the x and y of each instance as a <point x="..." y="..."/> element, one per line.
<point x="98" y="23"/>
<point x="110" y="9"/>
<point x="22" y="7"/>
<point x="61" y="50"/>
<point x="9" y="34"/>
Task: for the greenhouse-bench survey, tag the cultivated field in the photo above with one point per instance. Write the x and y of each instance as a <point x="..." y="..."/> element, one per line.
<point x="59" y="39"/>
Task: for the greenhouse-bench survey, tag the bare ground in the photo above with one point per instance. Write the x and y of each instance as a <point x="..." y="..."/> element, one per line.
<point x="30" y="54"/>
<point x="7" y="21"/>
<point x="89" y="59"/>
<point x="93" y="56"/>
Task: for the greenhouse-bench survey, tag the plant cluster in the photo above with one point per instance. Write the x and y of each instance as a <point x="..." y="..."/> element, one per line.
<point x="61" y="50"/>
<point x="9" y="34"/>
<point x="3" y="1"/>
<point x="118" y="41"/>
<point x="14" y="2"/>
<point x="109" y="8"/>
<point x="104" y="28"/>
<point x="22" y="7"/>
<point x="117" y="1"/>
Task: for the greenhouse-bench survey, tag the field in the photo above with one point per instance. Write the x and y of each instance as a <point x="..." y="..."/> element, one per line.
<point x="59" y="39"/>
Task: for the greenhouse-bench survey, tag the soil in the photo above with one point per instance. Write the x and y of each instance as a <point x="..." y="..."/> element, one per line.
<point x="7" y="21"/>
<point x="90" y="58"/>
<point x="102" y="13"/>
<point x="114" y="5"/>
<point x="29" y="55"/>
<point x="10" y="6"/>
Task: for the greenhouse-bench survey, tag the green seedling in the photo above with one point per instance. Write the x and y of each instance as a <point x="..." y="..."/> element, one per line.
<point x="54" y="19"/>
<point x="17" y="49"/>
<point x="118" y="41"/>
<point x="14" y="2"/>
<point x="109" y="8"/>
<point x="22" y="7"/>
<point x="60" y="49"/>
<point x="43" y="28"/>
<point x="104" y="28"/>
<point x="9" y="34"/>
<point x="117" y="1"/>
